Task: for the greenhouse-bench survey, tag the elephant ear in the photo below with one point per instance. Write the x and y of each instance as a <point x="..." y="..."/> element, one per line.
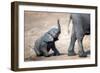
<point x="48" y="38"/>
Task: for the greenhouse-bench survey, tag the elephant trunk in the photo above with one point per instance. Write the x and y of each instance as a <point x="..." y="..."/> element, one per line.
<point x="59" y="27"/>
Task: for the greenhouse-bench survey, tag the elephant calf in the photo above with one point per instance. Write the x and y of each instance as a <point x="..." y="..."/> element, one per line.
<point x="47" y="42"/>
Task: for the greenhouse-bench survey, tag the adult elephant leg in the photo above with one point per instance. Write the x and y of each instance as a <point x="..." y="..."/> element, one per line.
<point x="71" y="46"/>
<point x="82" y="53"/>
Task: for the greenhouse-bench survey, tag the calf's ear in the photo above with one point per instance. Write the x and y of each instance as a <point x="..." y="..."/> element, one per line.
<point x="48" y="38"/>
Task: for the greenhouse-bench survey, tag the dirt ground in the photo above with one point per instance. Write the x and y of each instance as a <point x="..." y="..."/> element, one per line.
<point x="37" y="23"/>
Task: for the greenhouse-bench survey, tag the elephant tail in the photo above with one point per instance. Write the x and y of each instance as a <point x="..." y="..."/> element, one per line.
<point x="70" y="18"/>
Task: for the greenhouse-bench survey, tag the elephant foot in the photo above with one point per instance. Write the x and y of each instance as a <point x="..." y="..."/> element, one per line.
<point x="39" y="54"/>
<point x="47" y="55"/>
<point x="82" y="54"/>
<point x="71" y="53"/>
<point x="56" y="54"/>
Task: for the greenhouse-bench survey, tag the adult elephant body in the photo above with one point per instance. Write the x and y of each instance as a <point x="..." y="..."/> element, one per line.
<point x="47" y="42"/>
<point x="81" y="27"/>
